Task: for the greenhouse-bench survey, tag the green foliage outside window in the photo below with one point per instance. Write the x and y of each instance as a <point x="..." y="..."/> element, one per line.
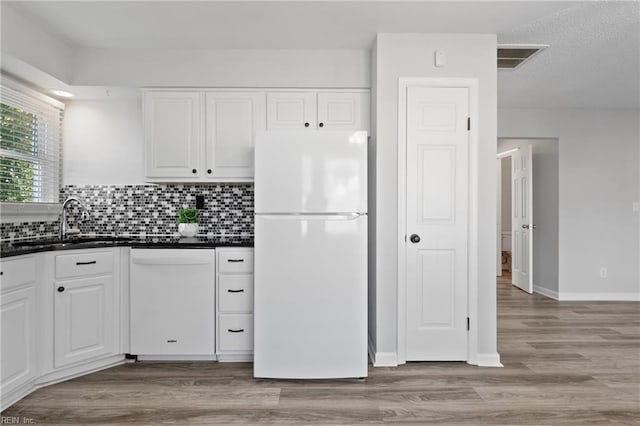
<point x="18" y="135"/>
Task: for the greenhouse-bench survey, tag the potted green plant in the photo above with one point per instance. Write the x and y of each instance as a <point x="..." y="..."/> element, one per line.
<point x="188" y="219"/>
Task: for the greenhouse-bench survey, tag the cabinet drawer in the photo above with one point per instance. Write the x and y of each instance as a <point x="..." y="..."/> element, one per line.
<point x="235" y="293"/>
<point x="92" y="263"/>
<point x="235" y="261"/>
<point x="16" y="272"/>
<point x="235" y="333"/>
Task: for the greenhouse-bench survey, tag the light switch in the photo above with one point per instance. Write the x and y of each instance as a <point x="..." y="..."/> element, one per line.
<point x="440" y="59"/>
<point x="636" y="206"/>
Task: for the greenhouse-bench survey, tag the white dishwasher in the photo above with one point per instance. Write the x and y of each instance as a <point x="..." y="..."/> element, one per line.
<point x="173" y="303"/>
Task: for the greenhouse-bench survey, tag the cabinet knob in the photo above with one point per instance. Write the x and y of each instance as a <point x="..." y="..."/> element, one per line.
<point x="209" y="171"/>
<point x="306" y="124"/>
<point x="321" y="125"/>
<point x="194" y="171"/>
<point x="60" y="289"/>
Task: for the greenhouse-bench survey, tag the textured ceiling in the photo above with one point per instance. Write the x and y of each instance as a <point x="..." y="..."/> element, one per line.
<point x="593" y="59"/>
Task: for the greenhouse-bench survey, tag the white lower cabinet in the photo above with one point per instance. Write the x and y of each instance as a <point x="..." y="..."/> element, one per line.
<point x="234" y="285"/>
<point x="84" y="322"/>
<point x="80" y="312"/>
<point x="18" y="322"/>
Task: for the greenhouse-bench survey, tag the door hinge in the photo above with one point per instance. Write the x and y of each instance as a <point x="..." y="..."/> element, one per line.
<point x="468" y="123"/>
<point x="467" y="323"/>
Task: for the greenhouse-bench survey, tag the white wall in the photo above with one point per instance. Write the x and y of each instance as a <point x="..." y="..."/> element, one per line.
<point x="372" y="214"/>
<point x="411" y="55"/>
<point x="222" y="68"/>
<point x="599" y="179"/>
<point x="23" y="41"/>
<point x="102" y="142"/>
<point x="545" y="210"/>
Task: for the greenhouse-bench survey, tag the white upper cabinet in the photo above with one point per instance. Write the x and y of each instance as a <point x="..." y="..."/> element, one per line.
<point x="291" y="110"/>
<point x="323" y="110"/>
<point x="173" y="135"/>
<point x="208" y="135"/>
<point x="232" y="119"/>
<point x="343" y="111"/>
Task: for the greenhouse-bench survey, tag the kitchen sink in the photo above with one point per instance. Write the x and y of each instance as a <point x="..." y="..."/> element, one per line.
<point x="69" y="241"/>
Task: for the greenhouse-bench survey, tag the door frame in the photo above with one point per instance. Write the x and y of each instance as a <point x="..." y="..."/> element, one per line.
<point x="472" y="242"/>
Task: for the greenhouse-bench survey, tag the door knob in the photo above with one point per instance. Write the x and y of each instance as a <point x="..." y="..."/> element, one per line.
<point x="525" y="226"/>
<point x="414" y="238"/>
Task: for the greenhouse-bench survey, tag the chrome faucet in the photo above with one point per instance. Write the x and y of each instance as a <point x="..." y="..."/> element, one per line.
<point x="64" y="231"/>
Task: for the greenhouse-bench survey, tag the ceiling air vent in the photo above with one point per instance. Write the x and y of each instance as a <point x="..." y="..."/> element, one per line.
<point x="512" y="56"/>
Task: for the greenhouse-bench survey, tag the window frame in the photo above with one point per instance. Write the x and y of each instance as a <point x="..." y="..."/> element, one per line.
<point x="18" y="212"/>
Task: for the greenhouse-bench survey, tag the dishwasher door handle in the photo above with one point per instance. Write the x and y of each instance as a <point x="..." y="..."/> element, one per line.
<point x="163" y="259"/>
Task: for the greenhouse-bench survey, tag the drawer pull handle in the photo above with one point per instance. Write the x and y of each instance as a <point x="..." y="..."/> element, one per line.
<point x="60" y="289"/>
<point x="92" y="262"/>
<point x="235" y="260"/>
<point x="241" y="330"/>
<point x="236" y="291"/>
<point x="172" y="341"/>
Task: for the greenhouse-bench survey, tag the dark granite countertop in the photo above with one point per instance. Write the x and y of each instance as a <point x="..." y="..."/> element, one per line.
<point x="18" y="248"/>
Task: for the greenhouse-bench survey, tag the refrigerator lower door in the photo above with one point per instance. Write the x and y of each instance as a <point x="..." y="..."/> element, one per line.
<point x="310" y="308"/>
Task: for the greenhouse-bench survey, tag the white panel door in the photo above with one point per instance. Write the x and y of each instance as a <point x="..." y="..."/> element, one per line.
<point x="343" y="111"/>
<point x="522" y="218"/>
<point x="291" y="111"/>
<point x="173" y="134"/>
<point x="85" y="319"/>
<point x="17" y="313"/>
<point x="437" y="215"/>
<point x="310" y="295"/>
<point x="232" y="119"/>
<point x="311" y="172"/>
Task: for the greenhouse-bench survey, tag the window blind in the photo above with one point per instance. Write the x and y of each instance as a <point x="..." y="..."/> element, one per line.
<point x="30" y="139"/>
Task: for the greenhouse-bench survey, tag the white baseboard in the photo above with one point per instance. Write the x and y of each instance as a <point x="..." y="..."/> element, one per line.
<point x="600" y="297"/>
<point x="545" y="292"/>
<point x="10" y="398"/>
<point x="487" y="360"/>
<point x="382" y="359"/>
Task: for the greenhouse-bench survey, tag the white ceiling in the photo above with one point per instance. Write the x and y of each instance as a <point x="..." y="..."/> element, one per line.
<point x="593" y="60"/>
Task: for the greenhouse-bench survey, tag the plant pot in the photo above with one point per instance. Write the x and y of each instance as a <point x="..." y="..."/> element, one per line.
<point x="188" y="229"/>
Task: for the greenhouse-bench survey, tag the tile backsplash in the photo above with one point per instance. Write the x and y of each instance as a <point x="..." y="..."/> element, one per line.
<point x="148" y="210"/>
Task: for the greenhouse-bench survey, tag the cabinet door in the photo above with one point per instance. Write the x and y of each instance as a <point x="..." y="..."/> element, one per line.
<point x="85" y="320"/>
<point x="17" y="316"/>
<point x="232" y="118"/>
<point x="173" y="134"/>
<point x="291" y="110"/>
<point x="343" y="111"/>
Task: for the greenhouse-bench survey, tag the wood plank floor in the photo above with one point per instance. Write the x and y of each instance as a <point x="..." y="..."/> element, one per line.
<point x="564" y="363"/>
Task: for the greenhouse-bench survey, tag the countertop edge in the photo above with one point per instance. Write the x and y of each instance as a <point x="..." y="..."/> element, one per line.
<point x="20" y="251"/>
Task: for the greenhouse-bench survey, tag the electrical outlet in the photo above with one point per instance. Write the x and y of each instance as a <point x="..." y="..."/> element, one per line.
<point x="200" y="202"/>
<point x="603" y="272"/>
<point x="635" y="206"/>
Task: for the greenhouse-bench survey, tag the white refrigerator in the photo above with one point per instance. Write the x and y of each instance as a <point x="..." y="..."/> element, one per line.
<point x="310" y="300"/>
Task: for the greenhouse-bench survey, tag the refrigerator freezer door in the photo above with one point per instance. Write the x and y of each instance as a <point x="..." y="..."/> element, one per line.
<point x="310" y="172"/>
<point x="310" y="295"/>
